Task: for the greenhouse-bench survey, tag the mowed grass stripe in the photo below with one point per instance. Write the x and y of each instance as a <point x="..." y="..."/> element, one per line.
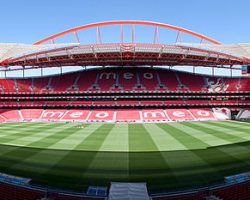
<point x="192" y="139"/>
<point x="20" y="133"/>
<point x="184" y="136"/>
<point x="222" y="137"/>
<point x="94" y="141"/>
<point x="38" y="160"/>
<point x="13" y="149"/>
<point x="75" y="164"/>
<point x="164" y="140"/>
<point x="8" y="130"/>
<point x="180" y="139"/>
<point x="238" y="151"/>
<point x="52" y="136"/>
<point x="26" y="128"/>
<point x="108" y="166"/>
<point x="241" y="123"/>
<point x="244" y="125"/>
<point x="189" y="129"/>
<point x="146" y="162"/>
<point x="234" y="135"/>
<point x="71" y="141"/>
<point x="38" y="135"/>
<point x="15" y="125"/>
<point x="224" y="162"/>
<point x="28" y="163"/>
<point x="199" y="172"/>
<point x="231" y="126"/>
<point x="117" y="140"/>
<point x="140" y="139"/>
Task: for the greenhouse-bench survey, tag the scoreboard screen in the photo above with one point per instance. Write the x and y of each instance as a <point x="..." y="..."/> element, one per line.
<point x="245" y="69"/>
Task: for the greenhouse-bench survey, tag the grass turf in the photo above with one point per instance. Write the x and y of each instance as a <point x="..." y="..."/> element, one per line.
<point x="165" y="155"/>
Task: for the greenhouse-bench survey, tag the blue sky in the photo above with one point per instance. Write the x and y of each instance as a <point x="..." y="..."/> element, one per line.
<point x="29" y="20"/>
<point x="26" y="21"/>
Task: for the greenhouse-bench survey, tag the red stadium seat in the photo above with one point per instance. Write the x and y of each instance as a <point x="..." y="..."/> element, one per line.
<point x="202" y="113"/>
<point x="12" y="115"/>
<point x="75" y="115"/>
<point x="53" y="114"/>
<point x="127" y="115"/>
<point x="179" y="114"/>
<point x="154" y="114"/>
<point x="29" y="114"/>
<point x="101" y="115"/>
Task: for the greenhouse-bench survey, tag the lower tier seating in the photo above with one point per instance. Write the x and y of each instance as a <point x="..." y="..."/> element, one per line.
<point x="119" y="115"/>
<point x="13" y="192"/>
<point x="239" y="191"/>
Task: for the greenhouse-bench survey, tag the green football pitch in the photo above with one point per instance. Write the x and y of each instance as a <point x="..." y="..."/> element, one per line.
<point x="165" y="155"/>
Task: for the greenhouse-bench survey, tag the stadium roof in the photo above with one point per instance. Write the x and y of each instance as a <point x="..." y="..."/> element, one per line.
<point x="132" y="53"/>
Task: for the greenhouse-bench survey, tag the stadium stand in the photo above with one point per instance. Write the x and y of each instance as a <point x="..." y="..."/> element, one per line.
<point x="9" y="191"/>
<point x="14" y="192"/>
<point x="108" y="114"/>
<point x="126" y="88"/>
<point x="124" y="95"/>
<point x="240" y="191"/>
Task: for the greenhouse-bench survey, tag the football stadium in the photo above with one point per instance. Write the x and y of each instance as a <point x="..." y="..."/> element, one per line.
<point x="127" y="125"/>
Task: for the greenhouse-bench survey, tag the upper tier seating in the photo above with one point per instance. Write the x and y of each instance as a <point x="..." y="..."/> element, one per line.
<point x="7" y="85"/>
<point x="125" y="79"/>
<point x="87" y="81"/>
<point x="148" y="79"/>
<point x="194" y="84"/>
<point x="168" y="79"/>
<point x="107" y="80"/>
<point x="62" y="85"/>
